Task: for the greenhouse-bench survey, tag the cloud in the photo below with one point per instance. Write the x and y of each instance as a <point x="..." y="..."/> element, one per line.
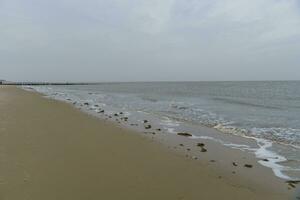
<point x="186" y="40"/>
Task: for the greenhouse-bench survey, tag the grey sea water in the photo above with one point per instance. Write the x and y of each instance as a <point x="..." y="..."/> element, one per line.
<point x="266" y="111"/>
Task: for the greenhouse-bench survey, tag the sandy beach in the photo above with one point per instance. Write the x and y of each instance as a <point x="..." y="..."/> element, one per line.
<point x="50" y="150"/>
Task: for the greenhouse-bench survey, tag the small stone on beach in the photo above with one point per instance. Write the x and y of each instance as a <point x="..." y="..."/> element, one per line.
<point x="293" y="181"/>
<point x="200" y="144"/>
<point x="133" y="124"/>
<point x="248" y="165"/>
<point x="292" y="185"/>
<point x="148" y="127"/>
<point x="124" y="118"/>
<point x="185" y="134"/>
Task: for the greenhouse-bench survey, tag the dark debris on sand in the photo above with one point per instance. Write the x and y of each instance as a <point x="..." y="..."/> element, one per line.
<point x="200" y="144"/>
<point x="125" y="119"/>
<point x="248" y="165"/>
<point x="185" y="134"/>
<point x="148" y="127"/>
<point x="133" y="124"/>
<point x="293" y="183"/>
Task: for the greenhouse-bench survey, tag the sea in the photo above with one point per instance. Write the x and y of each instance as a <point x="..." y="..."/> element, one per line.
<point x="265" y="111"/>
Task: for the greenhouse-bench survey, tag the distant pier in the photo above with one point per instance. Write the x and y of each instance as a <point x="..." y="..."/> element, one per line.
<point x="3" y="82"/>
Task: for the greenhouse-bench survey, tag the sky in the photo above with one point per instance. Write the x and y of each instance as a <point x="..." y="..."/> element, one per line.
<point x="153" y="40"/>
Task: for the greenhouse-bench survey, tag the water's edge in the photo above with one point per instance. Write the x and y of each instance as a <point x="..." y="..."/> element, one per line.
<point x="262" y="151"/>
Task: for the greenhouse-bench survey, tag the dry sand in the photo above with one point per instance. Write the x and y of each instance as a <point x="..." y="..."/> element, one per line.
<point x="49" y="150"/>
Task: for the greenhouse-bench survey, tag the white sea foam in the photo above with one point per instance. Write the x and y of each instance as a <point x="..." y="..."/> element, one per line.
<point x="169" y="125"/>
<point x="266" y="157"/>
<point x="273" y="159"/>
<point x="171" y="130"/>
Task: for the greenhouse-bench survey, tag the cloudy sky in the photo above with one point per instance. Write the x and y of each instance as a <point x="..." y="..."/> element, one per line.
<point x="153" y="40"/>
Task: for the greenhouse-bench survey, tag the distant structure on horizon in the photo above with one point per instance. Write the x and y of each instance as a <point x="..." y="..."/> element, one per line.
<point x="4" y="82"/>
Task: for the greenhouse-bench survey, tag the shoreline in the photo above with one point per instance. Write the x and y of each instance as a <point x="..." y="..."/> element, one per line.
<point x="223" y="142"/>
<point x="184" y="172"/>
<point x="260" y="147"/>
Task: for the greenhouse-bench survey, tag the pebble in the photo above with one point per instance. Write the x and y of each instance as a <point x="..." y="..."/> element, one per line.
<point x="185" y="134"/>
<point x="248" y="165"/>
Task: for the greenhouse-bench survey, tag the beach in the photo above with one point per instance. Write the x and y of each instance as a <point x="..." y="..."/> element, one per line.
<point x="51" y="150"/>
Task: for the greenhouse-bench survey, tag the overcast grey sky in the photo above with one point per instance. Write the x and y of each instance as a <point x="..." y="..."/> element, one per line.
<point x="149" y="40"/>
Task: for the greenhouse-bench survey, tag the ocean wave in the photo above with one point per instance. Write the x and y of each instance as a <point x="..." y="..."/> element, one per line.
<point x="286" y="136"/>
<point x="153" y="100"/>
<point x="241" y="102"/>
<point x="273" y="159"/>
<point x="266" y="157"/>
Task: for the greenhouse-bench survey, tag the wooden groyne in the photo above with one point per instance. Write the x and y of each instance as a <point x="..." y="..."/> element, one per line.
<point x="45" y="83"/>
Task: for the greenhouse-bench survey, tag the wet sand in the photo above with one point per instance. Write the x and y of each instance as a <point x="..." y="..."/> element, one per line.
<point x="50" y="150"/>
